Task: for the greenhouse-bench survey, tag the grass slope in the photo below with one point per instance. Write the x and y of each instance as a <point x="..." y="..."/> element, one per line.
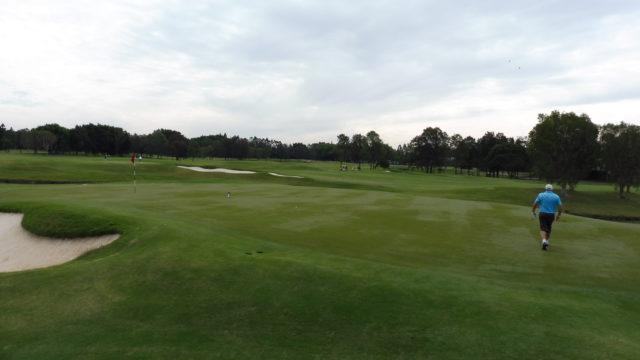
<point x="357" y="265"/>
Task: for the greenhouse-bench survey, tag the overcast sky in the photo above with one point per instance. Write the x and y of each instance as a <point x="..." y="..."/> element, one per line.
<point x="309" y="70"/>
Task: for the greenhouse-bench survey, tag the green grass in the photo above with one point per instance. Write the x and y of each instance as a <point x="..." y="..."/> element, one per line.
<point x="343" y="265"/>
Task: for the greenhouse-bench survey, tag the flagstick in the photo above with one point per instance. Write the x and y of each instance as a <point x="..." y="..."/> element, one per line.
<point x="134" y="178"/>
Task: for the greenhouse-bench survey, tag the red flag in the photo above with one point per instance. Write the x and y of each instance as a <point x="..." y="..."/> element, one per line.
<point x="133" y="158"/>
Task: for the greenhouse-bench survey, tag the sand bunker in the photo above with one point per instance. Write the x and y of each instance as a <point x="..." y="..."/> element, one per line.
<point x="21" y="250"/>
<point x="226" y="171"/>
<point x="289" y="176"/>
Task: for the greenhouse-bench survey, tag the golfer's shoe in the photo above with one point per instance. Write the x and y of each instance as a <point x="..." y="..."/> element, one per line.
<point x="545" y="245"/>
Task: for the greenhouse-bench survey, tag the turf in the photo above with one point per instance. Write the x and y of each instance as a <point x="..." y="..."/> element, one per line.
<point x="338" y="265"/>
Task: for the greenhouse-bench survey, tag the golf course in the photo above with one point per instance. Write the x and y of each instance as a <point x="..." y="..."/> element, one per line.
<point x="315" y="264"/>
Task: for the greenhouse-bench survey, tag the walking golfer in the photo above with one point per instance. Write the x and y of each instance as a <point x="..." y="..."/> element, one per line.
<point x="548" y="202"/>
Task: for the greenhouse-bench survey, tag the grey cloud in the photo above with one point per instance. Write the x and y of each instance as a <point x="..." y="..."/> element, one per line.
<point x="345" y="60"/>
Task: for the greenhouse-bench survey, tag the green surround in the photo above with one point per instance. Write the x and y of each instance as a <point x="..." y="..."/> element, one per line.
<point x="342" y="265"/>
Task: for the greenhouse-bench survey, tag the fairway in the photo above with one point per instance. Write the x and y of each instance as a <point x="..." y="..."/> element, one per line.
<point x="314" y="264"/>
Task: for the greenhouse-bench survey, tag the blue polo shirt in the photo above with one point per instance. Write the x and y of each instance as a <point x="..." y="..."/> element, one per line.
<point x="548" y="201"/>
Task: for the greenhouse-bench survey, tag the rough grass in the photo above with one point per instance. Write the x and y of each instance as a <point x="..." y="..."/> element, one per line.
<point x="400" y="266"/>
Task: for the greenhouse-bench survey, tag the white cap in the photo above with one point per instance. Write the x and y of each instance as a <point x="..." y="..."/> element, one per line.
<point x="548" y="187"/>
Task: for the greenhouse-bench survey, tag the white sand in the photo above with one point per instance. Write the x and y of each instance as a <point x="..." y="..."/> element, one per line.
<point x="289" y="176"/>
<point x="227" y="171"/>
<point x="22" y="250"/>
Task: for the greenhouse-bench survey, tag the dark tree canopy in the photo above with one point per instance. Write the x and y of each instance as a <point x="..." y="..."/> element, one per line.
<point x="93" y="139"/>
<point x="43" y="140"/>
<point x="563" y="147"/>
<point x="510" y="157"/>
<point x="156" y="144"/>
<point x="62" y="143"/>
<point x="464" y="152"/>
<point x="358" y="149"/>
<point x="3" y="137"/>
<point x="323" y="151"/>
<point x="621" y="154"/>
<point x="484" y="146"/>
<point x="343" y="148"/>
<point x="177" y="144"/>
<point x="429" y="149"/>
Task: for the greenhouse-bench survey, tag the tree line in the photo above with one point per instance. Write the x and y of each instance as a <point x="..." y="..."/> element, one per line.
<point x="114" y="141"/>
<point x="564" y="148"/>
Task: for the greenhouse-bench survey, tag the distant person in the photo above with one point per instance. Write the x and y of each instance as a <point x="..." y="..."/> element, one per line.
<point x="548" y="201"/>
<point x="228" y="194"/>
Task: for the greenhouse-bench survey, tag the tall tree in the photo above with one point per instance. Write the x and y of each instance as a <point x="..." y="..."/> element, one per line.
<point x="375" y="148"/>
<point x="214" y="145"/>
<point x="510" y="157"/>
<point x="358" y="149"/>
<point x="280" y="150"/>
<point x="387" y="154"/>
<point x="3" y="132"/>
<point x="299" y="151"/>
<point x="343" y="148"/>
<point x="119" y="141"/>
<point x="259" y="148"/>
<point x="621" y="154"/>
<point x="402" y="154"/>
<point x="563" y="147"/>
<point x="137" y="143"/>
<point x="156" y="144"/>
<point x="238" y="147"/>
<point x="429" y="149"/>
<point x="484" y="146"/>
<point x="62" y="137"/>
<point x="8" y="140"/>
<point x="177" y="144"/>
<point x="43" y="140"/>
<point x="194" y="149"/>
<point x="24" y="140"/>
<point x="98" y="139"/>
<point x="79" y="139"/>
<point x="463" y="151"/>
<point x="323" y="151"/>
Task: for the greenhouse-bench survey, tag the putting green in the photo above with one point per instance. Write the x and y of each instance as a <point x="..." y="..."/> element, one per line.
<point x="338" y="265"/>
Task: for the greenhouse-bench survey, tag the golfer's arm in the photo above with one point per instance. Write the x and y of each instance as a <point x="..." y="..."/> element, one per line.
<point x="560" y="210"/>
<point x="535" y="206"/>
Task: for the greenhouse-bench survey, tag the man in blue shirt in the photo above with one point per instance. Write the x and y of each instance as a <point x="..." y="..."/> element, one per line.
<point x="548" y="202"/>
